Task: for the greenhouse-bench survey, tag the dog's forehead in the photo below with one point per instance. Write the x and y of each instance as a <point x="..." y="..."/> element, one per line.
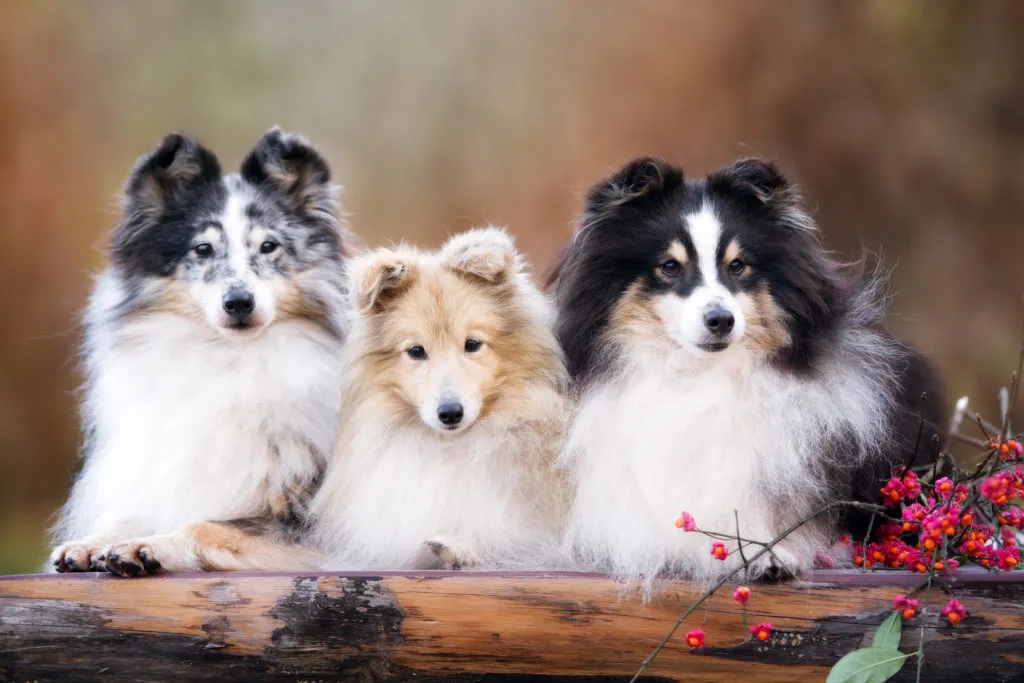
<point x="444" y="307"/>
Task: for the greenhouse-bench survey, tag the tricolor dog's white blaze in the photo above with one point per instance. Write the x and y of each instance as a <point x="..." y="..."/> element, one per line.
<point x="684" y="317"/>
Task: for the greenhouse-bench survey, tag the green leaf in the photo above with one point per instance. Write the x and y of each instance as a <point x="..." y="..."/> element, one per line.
<point x="868" y="665"/>
<point x="888" y="634"/>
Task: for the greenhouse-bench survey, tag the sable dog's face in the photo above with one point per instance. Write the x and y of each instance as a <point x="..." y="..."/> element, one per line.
<point x="238" y="251"/>
<point x="444" y="335"/>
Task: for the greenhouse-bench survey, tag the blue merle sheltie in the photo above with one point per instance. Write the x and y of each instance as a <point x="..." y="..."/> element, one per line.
<point x="726" y="365"/>
<point x="212" y="360"/>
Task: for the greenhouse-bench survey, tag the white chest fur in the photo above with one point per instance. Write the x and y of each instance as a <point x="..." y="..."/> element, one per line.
<point x="391" y="489"/>
<point x="188" y="426"/>
<point x="734" y="438"/>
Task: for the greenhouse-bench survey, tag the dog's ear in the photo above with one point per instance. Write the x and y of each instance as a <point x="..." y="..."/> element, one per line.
<point x="177" y="166"/>
<point x="761" y="178"/>
<point x="379" y="276"/>
<point x="764" y="181"/>
<point x="488" y="254"/>
<point x="638" y="178"/>
<point x="287" y="166"/>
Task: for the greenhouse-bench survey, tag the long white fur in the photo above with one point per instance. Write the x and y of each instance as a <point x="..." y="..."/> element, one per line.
<point x="674" y="429"/>
<point x="392" y="485"/>
<point x="187" y="425"/>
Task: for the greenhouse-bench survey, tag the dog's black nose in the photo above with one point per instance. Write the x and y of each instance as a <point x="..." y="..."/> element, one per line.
<point x="450" y="414"/>
<point x="238" y="303"/>
<point x="719" y="321"/>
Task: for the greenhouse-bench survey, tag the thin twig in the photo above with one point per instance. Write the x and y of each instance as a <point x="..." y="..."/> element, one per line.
<point x="920" y="431"/>
<point x="986" y="426"/>
<point x="739" y="546"/>
<point x="973" y="441"/>
<point x="721" y="582"/>
<point x="864" y="543"/>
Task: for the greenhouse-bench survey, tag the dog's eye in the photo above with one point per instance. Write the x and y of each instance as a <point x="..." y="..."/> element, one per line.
<point x="203" y="250"/>
<point x="417" y="352"/>
<point x="736" y="266"/>
<point x="670" y="268"/>
<point x="268" y="247"/>
<point x="473" y="345"/>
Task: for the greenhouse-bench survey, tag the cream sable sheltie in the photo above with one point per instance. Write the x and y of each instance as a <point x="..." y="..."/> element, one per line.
<point x="451" y="417"/>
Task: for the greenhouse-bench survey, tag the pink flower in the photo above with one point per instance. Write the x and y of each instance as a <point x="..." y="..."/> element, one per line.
<point x="944" y="487"/>
<point x="719" y="551"/>
<point x="695" y="638"/>
<point x="1011" y="515"/>
<point x="762" y="631"/>
<point x="954" y="611"/>
<point x="686" y="522"/>
<point x="741" y="595"/>
<point x="911" y="486"/>
<point x="1000" y="488"/>
<point x="893" y="491"/>
<point x="908" y="606"/>
<point x="1006" y="558"/>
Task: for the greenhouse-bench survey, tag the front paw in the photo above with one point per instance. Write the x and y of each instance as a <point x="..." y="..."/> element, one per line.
<point x="77" y="556"/>
<point x="130" y="559"/>
<point x="451" y="554"/>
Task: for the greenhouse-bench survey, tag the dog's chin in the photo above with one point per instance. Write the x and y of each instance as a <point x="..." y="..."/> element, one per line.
<point x="445" y="431"/>
<point x="247" y="328"/>
<point x="713" y="347"/>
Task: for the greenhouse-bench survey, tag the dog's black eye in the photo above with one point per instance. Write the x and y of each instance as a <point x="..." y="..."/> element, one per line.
<point x="473" y="345"/>
<point x="203" y="250"/>
<point x="736" y="266"/>
<point x="670" y="268"/>
<point x="268" y="246"/>
<point x="417" y="352"/>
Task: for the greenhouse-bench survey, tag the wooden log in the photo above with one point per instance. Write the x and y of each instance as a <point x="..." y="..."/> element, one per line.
<point x="465" y="626"/>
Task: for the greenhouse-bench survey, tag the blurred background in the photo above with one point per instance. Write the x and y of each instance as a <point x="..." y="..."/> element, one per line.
<point x="903" y="121"/>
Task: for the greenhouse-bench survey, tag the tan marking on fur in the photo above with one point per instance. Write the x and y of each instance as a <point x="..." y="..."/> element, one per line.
<point x="634" y="319"/>
<point x="677" y="251"/>
<point x="292" y="303"/>
<point x="732" y="252"/>
<point x="766" y="322"/>
<point x="222" y="547"/>
<point x="174" y="298"/>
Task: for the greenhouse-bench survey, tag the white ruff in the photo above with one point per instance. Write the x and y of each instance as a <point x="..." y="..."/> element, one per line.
<point x="713" y="438"/>
<point x="190" y="426"/>
<point x="393" y="488"/>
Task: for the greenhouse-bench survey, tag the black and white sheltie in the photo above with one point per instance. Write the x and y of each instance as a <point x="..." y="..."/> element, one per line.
<point x="212" y="356"/>
<point x="724" y="365"/>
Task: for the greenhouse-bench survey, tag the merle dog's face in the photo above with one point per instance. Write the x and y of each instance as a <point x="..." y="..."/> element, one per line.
<point x="701" y="268"/>
<point x="238" y="251"/>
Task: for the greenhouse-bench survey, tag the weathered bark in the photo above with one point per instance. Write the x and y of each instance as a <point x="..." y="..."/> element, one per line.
<point x="450" y="626"/>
